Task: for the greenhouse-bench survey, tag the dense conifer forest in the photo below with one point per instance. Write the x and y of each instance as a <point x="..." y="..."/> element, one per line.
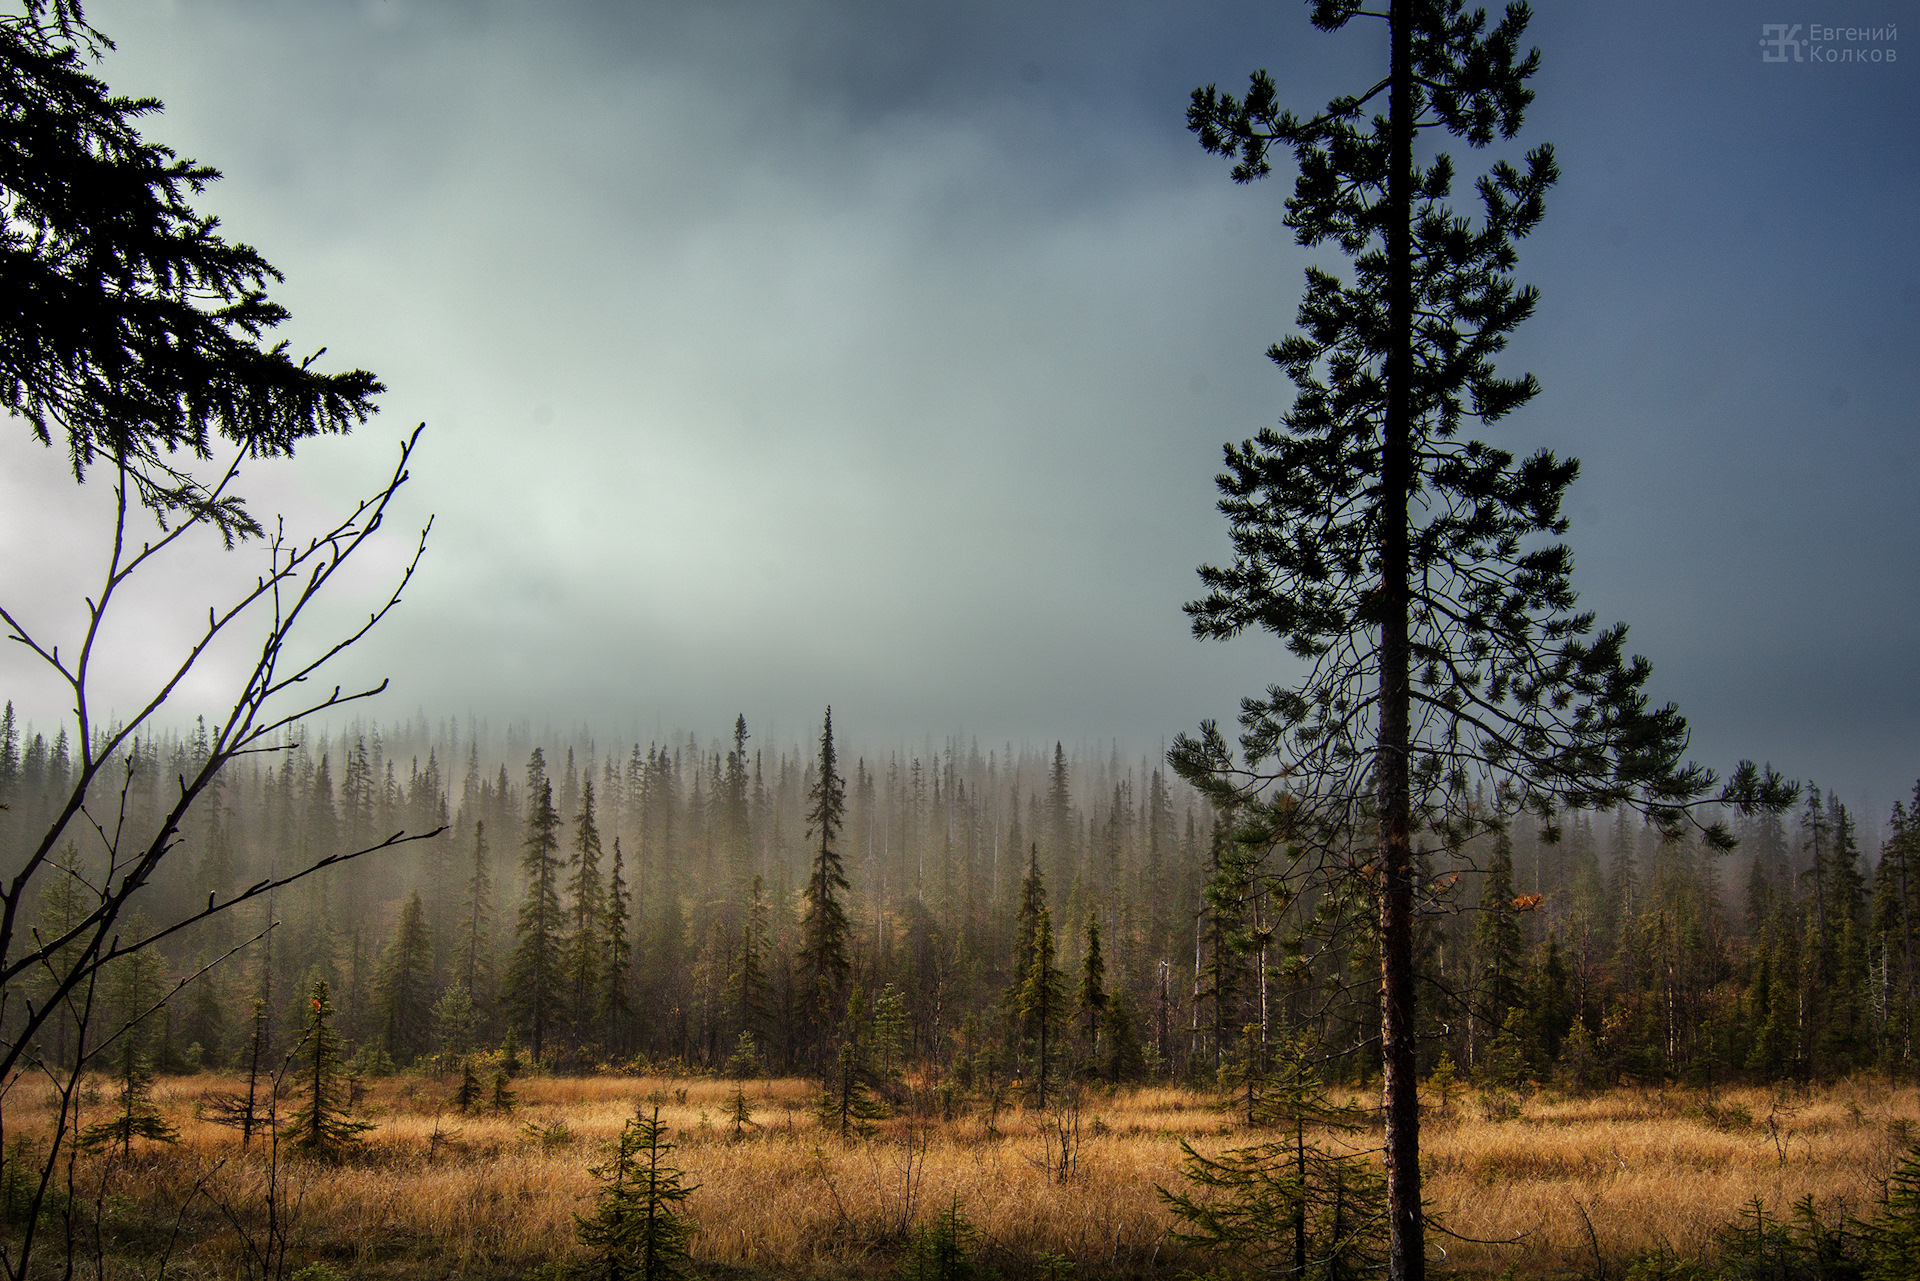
<point x="1001" y="914"/>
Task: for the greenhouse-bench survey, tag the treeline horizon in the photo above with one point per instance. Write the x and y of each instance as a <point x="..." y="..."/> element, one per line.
<point x="675" y="912"/>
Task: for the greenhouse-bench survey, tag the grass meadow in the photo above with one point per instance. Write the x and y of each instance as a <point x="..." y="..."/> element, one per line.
<point x="1570" y="1186"/>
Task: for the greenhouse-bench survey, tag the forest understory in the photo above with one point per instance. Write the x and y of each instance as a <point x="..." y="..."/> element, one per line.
<point x="1589" y="1186"/>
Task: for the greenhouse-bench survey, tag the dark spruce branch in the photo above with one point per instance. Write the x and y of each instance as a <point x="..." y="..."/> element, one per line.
<point x="134" y="330"/>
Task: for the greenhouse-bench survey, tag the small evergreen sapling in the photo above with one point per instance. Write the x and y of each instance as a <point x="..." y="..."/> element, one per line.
<point x="468" y="1094"/>
<point x="323" y="1126"/>
<point x="739" y="1113"/>
<point x="847" y="1104"/>
<point x="744" y="1062"/>
<point x="1893" y="1238"/>
<point x="503" y="1097"/>
<point x="944" y="1249"/>
<point x="638" y="1230"/>
<point x="1291" y="1205"/>
<point x="253" y="1110"/>
<point x="1445" y="1082"/>
<point x="137" y="1117"/>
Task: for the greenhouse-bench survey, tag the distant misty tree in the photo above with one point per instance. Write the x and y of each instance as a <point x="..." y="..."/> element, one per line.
<point x="747" y="981"/>
<point x="585" y="946"/>
<point x="1498" y="947"/>
<point x="1093" y="997"/>
<point x="823" y="961"/>
<point x="1060" y="824"/>
<point x="403" y="986"/>
<point x="735" y="814"/>
<point x="476" y="923"/>
<point x="616" y="1001"/>
<point x="535" y="973"/>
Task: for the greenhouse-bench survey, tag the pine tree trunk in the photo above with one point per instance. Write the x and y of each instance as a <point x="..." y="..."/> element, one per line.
<point x="1300" y="1198"/>
<point x="1406" y="1248"/>
<point x="1906" y="927"/>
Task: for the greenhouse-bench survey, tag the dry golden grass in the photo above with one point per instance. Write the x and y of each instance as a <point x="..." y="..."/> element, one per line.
<point x="437" y="1194"/>
<point x="1656" y="1170"/>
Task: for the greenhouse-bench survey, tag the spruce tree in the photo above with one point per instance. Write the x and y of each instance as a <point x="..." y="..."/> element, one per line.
<point x="847" y="1105"/>
<point x="1033" y="901"/>
<point x="944" y="1249"/>
<point x="65" y="901"/>
<point x="535" y="974"/>
<point x="476" y="920"/>
<point x="736" y="815"/>
<point x="1123" y="1057"/>
<point x="468" y="1092"/>
<point x="1040" y="1001"/>
<point x="322" y="1125"/>
<point x="1417" y="574"/>
<point x="744" y="1062"/>
<point x="616" y="1001"/>
<point x="134" y="331"/>
<point x="1060" y="822"/>
<point x="586" y="940"/>
<point x="747" y="973"/>
<point x="1498" y="948"/>
<point x="822" y="958"/>
<point x="403" y="986"/>
<point x="1895" y="886"/>
<point x="1892" y="1239"/>
<point x="1295" y="1205"/>
<point x="250" y="1111"/>
<point x="1093" y="998"/>
<point x="9" y="753"/>
<point x="456" y="1025"/>
<point x="638" y="1230"/>
<point x="135" y="1116"/>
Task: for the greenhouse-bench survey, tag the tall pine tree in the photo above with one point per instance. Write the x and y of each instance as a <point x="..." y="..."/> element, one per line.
<point x="823" y="960"/>
<point x="535" y="979"/>
<point x="586" y="943"/>
<point x="1417" y="574"/>
<point x="403" y="987"/>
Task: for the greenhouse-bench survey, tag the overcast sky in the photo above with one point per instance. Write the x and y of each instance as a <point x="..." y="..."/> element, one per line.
<point x="781" y="354"/>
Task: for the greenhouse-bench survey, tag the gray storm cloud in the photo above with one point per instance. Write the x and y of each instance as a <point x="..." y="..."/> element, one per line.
<point x="774" y="356"/>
